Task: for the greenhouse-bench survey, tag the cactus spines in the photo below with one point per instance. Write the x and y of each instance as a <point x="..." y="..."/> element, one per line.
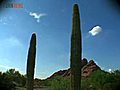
<point x="31" y="63"/>
<point x="76" y="50"/>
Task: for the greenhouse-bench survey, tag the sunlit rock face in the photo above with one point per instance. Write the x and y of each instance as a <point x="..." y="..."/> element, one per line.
<point x="87" y="69"/>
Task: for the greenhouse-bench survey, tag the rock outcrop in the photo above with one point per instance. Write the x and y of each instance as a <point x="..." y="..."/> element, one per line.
<point x="59" y="73"/>
<point x="87" y="69"/>
<point x="84" y="62"/>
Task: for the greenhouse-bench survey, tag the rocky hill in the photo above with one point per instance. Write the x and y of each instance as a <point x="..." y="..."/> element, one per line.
<point x="87" y="69"/>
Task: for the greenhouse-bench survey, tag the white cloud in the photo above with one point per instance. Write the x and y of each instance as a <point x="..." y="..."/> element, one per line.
<point x="109" y="70"/>
<point x="5" y="20"/>
<point x="95" y="30"/>
<point x="10" y="42"/>
<point x="37" y="16"/>
<point x="14" y="41"/>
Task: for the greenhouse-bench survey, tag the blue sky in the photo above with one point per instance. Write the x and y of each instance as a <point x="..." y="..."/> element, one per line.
<point x="52" y="22"/>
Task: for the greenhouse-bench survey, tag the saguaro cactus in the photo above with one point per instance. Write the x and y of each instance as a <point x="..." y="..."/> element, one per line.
<point x="31" y="63"/>
<point x="76" y="51"/>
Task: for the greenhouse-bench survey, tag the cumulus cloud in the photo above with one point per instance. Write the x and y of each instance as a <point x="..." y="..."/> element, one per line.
<point x="95" y="30"/>
<point x="37" y="16"/>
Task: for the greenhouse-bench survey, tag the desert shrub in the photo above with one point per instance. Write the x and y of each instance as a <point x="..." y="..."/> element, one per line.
<point x="10" y="79"/>
<point x="60" y="83"/>
<point x="6" y="83"/>
<point x="87" y="85"/>
<point x="102" y="80"/>
<point x="99" y="80"/>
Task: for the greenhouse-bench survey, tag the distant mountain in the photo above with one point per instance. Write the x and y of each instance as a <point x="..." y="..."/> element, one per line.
<point x="87" y="69"/>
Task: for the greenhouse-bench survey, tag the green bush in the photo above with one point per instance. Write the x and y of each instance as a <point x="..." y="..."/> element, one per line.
<point x="99" y="80"/>
<point x="6" y="83"/>
<point x="10" y="79"/>
<point x="60" y="83"/>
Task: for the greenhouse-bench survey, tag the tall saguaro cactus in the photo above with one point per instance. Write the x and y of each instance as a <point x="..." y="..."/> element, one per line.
<point x="76" y="50"/>
<point x="31" y="63"/>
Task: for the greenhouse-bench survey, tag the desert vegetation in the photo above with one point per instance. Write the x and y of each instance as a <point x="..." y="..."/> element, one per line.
<point x="97" y="80"/>
<point x="11" y="79"/>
